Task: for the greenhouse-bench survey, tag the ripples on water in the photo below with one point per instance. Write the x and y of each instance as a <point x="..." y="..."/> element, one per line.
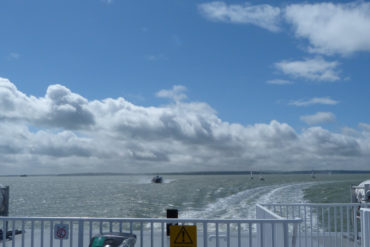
<point x="212" y="196"/>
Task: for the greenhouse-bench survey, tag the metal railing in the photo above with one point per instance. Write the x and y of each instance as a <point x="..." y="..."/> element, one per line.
<point x="279" y="235"/>
<point x="365" y="226"/>
<point x="39" y="231"/>
<point x="306" y="225"/>
<point x="333" y="224"/>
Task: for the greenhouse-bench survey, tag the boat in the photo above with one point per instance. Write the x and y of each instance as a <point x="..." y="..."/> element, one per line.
<point x="313" y="175"/>
<point x="251" y="176"/>
<point x="361" y="192"/>
<point x="157" y="179"/>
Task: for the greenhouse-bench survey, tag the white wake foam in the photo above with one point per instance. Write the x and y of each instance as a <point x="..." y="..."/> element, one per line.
<point x="242" y="204"/>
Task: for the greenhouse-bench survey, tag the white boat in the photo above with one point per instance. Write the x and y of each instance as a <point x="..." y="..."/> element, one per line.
<point x="361" y="192"/>
<point x="251" y="175"/>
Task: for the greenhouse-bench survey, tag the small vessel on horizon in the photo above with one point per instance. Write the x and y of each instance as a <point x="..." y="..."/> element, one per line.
<point x="251" y="175"/>
<point x="157" y="179"/>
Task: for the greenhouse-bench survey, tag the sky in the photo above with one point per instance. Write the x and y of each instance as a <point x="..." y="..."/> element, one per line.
<point x="182" y="85"/>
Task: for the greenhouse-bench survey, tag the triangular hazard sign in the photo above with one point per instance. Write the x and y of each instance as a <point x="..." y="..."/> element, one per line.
<point x="183" y="237"/>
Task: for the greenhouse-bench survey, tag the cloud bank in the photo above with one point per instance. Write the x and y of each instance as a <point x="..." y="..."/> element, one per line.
<point x="64" y="132"/>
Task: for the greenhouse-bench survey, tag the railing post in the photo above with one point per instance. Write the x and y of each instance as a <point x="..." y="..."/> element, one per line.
<point x="365" y="226"/>
<point x="205" y="234"/>
<point x="355" y="226"/>
<point x="217" y="236"/>
<point x="294" y="237"/>
<point x="80" y="233"/>
<point x="286" y="234"/>
<point x="4" y="232"/>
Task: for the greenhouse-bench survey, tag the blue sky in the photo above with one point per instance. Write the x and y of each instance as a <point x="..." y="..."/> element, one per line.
<point x="273" y="64"/>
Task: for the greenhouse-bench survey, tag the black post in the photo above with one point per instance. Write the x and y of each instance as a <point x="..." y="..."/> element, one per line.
<point x="171" y="213"/>
<point x="4" y="203"/>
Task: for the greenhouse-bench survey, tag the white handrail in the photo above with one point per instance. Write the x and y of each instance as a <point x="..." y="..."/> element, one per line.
<point x="154" y="220"/>
<point x="324" y="224"/>
<point x="148" y="233"/>
<point x="303" y="224"/>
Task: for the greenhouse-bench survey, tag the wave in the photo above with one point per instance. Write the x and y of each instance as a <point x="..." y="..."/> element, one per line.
<point x="242" y="204"/>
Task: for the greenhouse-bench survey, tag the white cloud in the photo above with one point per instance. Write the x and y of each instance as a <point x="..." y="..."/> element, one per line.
<point x="314" y="101"/>
<point x="60" y="108"/>
<point x="326" y="144"/>
<point x="332" y="28"/>
<point x="319" y="117"/>
<point x="156" y="57"/>
<point x="279" y="82"/>
<point x="316" y="69"/>
<point x="14" y="56"/>
<point x="64" y="132"/>
<point x="177" y="93"/>
<point x="364" y="126"/>
<point x="107" y="1"/>
<point x="264" y="15"/>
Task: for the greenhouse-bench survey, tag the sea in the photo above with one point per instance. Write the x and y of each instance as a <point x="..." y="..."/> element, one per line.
<point x="195" y="196"/>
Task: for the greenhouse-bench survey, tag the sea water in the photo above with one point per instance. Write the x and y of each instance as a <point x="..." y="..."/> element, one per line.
<point x="195" y="196"/>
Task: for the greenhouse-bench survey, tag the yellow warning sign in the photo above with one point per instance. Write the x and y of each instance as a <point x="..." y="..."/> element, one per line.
<point x="183" y="236"/>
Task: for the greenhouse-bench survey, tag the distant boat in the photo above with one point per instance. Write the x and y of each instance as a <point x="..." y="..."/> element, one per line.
<point x="313" y="175"/>
<point x="251" y="176"/>
<point x="157" y="180"/>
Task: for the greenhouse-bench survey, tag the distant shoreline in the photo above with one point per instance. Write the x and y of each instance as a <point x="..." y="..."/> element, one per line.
<point x="197" y="173"/>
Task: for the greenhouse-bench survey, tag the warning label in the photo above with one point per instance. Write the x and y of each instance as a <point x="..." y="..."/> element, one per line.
<point x="183" y="236"/>
<point x="61" y="231"/>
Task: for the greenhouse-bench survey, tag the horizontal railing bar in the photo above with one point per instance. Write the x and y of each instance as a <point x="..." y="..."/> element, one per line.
<point x="315" y="204"/>
<point x="270" y="212"/>
<point x="154" y="220"/>
<point x="246" y="221"/>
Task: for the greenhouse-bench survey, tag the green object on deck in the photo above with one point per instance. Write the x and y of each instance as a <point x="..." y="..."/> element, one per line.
<point x="98" y="242"/>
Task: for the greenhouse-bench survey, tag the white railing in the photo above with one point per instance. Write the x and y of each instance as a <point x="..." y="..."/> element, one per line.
<point x="275" y="234"/>
<point x="323" y="224"/>
<point x="288" y="225"/>
<point x="39" y="231"/>
<point x="365" y="226"/>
